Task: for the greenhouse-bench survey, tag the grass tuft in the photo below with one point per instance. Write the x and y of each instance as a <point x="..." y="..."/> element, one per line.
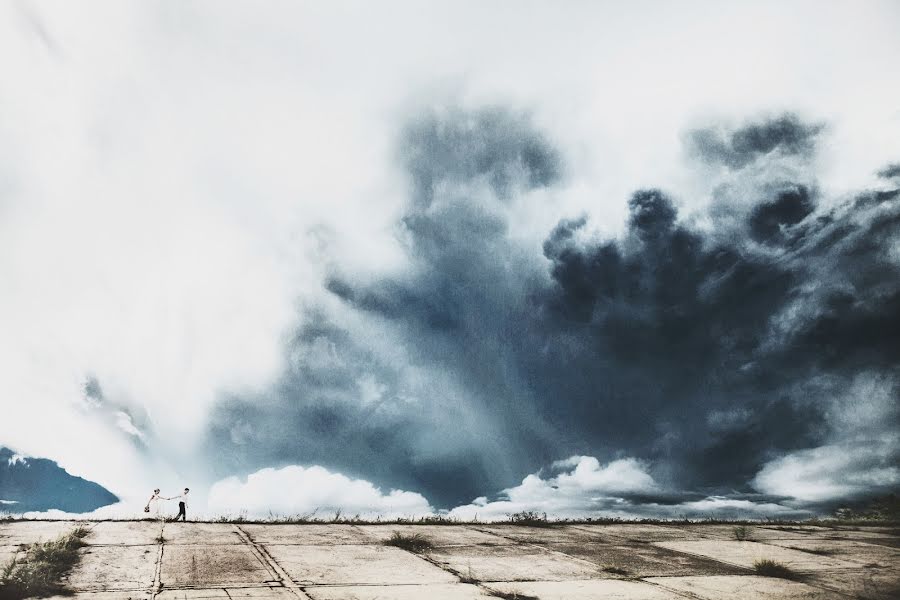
<point x="741" y="533"/>
<point x="468" y="577"/>
<point x="44" y="566"/>
<point x="615" y="570"/>
<point x="530" y="518"/>
<point x="415" y="543"/>
<point x="771" y="568"/>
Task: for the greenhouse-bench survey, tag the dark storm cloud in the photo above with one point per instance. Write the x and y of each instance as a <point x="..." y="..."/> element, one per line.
<point x="453" y="316"/>
<point x="666" y="328"/>
<point x="707" y="325"/>
<point x="770" y="218"/>
<point x="890" y="171"/>
<point x="786" y="134"/>
<point x="459" y="147"/>
<point x="413" y="435"/>
<point x="709" y="354"/>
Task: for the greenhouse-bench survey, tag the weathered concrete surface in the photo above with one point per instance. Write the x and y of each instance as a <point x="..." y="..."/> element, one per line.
<point x="545" y="535"/>
<point x="755" y="533"/>
<point x="862" y="535"/>
<point x="246" y="592"/>
<point x="439" y="535"/>
<point x="586" y="590"/>
<point x="641" y="532"/>
<point x="125" y="533"/>
<point x="29" y="532"/>
<point x="182" y="561"/>
<point x="8" y="553"/>
<point x="201" y="533"/>
<point x="644" y="560"/>
<point x="866" y="554"/>
<point x="217" y="565"/>
<point x="356" y="564"/>
<point x="126" y="595"/>
<point x="745" y="554"/>
<point x="441" y="591"/>
<point x="104" y="568"/>
<point x="743" y="588"/>
<point x="307" y="535"/>
<point x="868" y="583"/>
<point x="513" y="563"/>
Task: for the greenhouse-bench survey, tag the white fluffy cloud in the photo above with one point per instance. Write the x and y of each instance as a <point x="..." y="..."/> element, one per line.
<point x="625" y="475"/>
<point x="861" y="456"/>
<point x="586" y="488"/>
<point x="831" y="472"/>
<point x="622" y="488"/>
<point x="582" y="487"/>
<point x="723" y="507"/>
<point x="310" y="491"/>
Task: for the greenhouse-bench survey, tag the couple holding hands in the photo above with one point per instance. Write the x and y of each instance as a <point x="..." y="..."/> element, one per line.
<point x="154" y="504"/>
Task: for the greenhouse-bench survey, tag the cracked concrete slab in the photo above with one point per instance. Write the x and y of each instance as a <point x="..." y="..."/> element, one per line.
<point x="744" y="554"/>
<point x="439" y="535"/>
<point x="800" y="528"/>
<point x="861" y="535"/>
<point x="644" y="560"/>
<point x="114" y="568"/>
<point x="355" y="564"/>
<point x="863" y="553"/>
<point x="126" y="595"/>
<point x="29" y="532"/>
<point x="512" y="563"/>
<point x="349" y="561"/>
<point x="124" y="533"/>
<point x="748" y="587"/>
<point x="306" y="534"/>
<point x="755" y="533"/>
<point x="609" y="589"/>
<point x="868" y="583"/>
<point x="445" y="591"/>
<point x="543" y="535"/>
<point x="247" y="592"/>
<point x="213" y="565"/>
<point x="201" y="533"/>
<point x="616" y="532"/>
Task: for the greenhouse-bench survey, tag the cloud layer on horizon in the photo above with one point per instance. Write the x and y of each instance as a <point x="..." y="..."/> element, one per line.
<point x="313" y="493"/>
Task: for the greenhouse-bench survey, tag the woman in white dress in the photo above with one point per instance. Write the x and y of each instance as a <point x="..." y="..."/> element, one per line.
<point x="154" y="505"/>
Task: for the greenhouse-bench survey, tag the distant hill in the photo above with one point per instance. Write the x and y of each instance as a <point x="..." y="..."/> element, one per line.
<point x="28" y="484"/>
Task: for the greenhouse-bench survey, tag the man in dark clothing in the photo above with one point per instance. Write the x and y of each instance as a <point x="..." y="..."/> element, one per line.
<point x="182" y="505"/>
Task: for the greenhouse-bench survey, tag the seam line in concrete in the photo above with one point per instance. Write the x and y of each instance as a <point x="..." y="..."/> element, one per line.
<point x="575" y="558"/>
<point x="271" y="564"/>
<point x="156" y="586"/>
<point x="448" y="569"/>
<point x="544" y="549"/>
<point x="751" y="572"/>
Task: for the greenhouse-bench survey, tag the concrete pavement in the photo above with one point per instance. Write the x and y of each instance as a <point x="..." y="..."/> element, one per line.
<point x="150" y="560"/>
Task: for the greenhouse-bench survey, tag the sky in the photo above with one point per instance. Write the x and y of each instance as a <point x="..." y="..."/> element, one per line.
<point x="585" y="258"/>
